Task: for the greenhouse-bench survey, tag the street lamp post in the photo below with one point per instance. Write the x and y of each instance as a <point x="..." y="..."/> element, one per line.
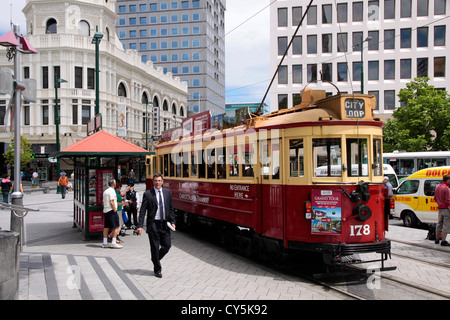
<point x="146" y="123"/>
<point x="96" y="40"/>
<point x="58" y="147"/>
<point x="17" y="45"/>
<point x="362" y="62"/>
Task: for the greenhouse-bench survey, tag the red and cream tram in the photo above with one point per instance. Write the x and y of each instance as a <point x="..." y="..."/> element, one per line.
<point x="302" y="179"/>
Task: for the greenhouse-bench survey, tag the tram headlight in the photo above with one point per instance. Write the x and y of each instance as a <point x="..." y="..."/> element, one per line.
<point x="362" y="212"/>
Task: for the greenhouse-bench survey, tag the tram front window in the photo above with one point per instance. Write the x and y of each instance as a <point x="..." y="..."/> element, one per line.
<point x="357" y="156"/>
<point x="327" y="157"/>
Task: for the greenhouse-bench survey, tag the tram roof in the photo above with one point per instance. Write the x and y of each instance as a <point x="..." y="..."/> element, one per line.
<point x="315" y="107"/>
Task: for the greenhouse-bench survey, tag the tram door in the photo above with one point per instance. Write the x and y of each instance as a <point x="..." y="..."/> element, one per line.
<point x="272" y="196"/>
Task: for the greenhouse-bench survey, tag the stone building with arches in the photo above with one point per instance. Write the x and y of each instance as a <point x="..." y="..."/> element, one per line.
<point x="62" y="33"/>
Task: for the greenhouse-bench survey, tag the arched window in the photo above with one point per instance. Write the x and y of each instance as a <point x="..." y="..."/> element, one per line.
<point x="165" y="106"/>
<point x="174" y="109"/>
<point x="181" y="112"/>
<point x="51" y="26"/>
<point x="144" y="99"/>
<point x="155" y="102"/>
<point x="84" y="28"/>
<point x="107" y="34"/>
<point x="122" y="92"/>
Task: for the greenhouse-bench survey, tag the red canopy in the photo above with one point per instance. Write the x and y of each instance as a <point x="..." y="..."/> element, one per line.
<point x="103" y="143"/>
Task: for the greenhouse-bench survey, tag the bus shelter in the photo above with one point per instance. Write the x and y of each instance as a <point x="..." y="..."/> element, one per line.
<point x="96" y="159"/>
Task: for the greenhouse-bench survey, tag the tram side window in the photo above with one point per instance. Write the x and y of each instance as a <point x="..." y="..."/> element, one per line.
<point x="166" y="165"/>
<point x="172" y="165"/>
<point x="275" y="160"/>
<point x="155" y="164"/>
<point x="201" y="164"/>
<point x="247" y="160"/>
<point x="233" y="161"/>
<point x="377" y="157"/>
<point x="357" y="157"/>
<point x="270" y="159"/>
<point x="177" y="164"/>
<point x="296" y="164"/>
<point x="221" y="163"/>
<point x="193" y="164"/>
<point x="185" y="165"/>
<point x="327" y="157"/>
<point x="211" y="163"/>
<point x="265" y="159"/>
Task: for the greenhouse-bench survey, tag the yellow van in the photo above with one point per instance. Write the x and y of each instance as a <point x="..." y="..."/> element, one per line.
<point x="414" y="198"/>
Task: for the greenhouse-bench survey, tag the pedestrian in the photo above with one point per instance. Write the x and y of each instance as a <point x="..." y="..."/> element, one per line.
<point x="133" y="205"/>
<point x="35" y="179"/>
<point x="388" y="186"/>
<point x="6" y="188"/>
<point x="131" y="176"/>
<point x="158" y="206"/>
<point x="63" y="182"/>
<point x="111" y="216"/>
<point x="442" y="197"/>
<point x="120" y="195"/>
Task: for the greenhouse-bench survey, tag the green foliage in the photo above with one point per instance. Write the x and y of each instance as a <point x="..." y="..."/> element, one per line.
<point x="422" y="123"/>
<point x="25" y="153"/>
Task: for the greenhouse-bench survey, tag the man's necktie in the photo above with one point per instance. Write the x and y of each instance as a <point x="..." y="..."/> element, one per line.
<point x="161" y="207"/>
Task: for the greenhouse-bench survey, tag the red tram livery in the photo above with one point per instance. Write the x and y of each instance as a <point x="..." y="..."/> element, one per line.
<point x="307" y="178"/>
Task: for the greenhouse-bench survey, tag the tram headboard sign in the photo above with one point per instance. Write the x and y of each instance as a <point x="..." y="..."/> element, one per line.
<point x="355" y="108"/>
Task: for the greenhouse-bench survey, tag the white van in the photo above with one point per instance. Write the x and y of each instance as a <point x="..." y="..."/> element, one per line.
<point x="414" y="198"/>
<point x="389" y="172"/>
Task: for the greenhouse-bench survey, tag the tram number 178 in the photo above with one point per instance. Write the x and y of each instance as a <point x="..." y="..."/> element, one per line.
<point x="359" y="230"/>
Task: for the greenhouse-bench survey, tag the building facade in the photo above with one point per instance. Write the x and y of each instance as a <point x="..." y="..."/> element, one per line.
<point x="185" y="38"/>
<point x="401" y="40"/>
<point x="132" y="93"/>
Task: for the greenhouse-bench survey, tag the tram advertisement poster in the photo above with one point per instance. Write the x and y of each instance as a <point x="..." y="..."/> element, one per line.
<point x="326" y="212"/>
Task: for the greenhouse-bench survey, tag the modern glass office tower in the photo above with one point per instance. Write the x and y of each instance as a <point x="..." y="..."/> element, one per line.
<point x="402" y="40"/>
<point x="183" y="37"/>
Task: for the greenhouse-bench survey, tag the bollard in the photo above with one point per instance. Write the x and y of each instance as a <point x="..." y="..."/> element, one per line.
<point x="9" y="265"/>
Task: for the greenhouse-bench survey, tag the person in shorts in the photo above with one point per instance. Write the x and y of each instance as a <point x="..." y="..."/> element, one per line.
<point x="442" y="197"/>
<point x="111" y="218"/>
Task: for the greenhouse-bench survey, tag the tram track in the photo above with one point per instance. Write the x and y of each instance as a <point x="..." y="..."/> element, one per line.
<point x="428" y="260"/>
<point x="364" y="288"/>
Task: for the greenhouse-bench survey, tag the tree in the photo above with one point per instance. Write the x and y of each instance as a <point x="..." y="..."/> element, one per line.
<point x="422" y="123"/>
<point x="25" y="152"/>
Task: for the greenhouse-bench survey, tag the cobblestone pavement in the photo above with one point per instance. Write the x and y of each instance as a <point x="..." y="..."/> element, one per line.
<point x="58" y="264"/>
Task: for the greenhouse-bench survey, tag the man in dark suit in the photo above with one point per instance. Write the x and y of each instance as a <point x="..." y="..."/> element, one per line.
<point x="158" y="206"/>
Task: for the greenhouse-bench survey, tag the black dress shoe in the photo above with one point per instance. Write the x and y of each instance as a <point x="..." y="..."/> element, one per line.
<point x="158" y="274"/>
<point x="445" y="244"/>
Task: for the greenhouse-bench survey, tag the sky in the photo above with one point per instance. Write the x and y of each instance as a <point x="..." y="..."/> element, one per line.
<point x="247" y="64"/>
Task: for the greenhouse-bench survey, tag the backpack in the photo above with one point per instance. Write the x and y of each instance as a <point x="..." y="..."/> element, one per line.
<point x="431" y="232"/>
